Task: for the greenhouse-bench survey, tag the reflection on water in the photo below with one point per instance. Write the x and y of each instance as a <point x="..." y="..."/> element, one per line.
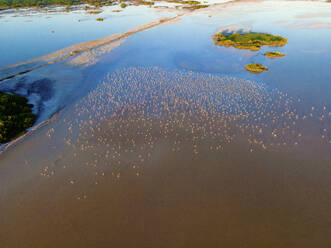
<point x="303" y="72"/>
<point x="26" y="34"/>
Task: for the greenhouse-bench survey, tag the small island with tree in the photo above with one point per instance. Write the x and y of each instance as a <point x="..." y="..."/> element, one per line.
<point x="250" y="41"/>
<point x="256" y="68"/>
<point x="274" y="54"/>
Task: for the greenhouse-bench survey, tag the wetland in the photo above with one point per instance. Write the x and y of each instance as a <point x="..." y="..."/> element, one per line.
<point x="146" y="129"/>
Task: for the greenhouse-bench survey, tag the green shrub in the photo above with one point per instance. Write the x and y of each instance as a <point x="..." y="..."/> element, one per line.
<point x="142" y="2"/>
<point x="196" y="6"/>
<point x="251" y="41"/>
<point x="15" y="116"/>
<point x="94" y="12"/>
<point x="43" y="3"/>
<point x="257" y="68"/>
<point x="68" y="9"/>
<point x="274" y="54"/>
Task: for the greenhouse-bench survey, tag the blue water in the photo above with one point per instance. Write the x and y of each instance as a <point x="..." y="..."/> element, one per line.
<point x="27" y="34"/>
<point x="303" y="72"/>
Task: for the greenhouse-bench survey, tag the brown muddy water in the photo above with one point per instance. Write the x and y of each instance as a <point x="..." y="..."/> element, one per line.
<point x="170" y="158"/>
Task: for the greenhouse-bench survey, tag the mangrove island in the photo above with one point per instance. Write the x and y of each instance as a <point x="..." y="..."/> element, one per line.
<point x="15" y="116"/>
<point x="250" y="41"/>
<point x="274" y="54"/>
<point x="256" y="68"/>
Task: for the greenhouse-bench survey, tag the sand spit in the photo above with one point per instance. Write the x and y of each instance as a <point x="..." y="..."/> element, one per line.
<point x="179" y="19"/>
<point x="90" y="57"/>
<point x="80" y="48"/>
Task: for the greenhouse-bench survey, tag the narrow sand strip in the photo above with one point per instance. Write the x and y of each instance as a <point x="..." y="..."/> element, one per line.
<point x="79" y="48"/>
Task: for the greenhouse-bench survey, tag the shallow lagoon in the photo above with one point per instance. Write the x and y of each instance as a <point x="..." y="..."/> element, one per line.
<point x="26" y="34"/>
<point x="201" y="190"/>
<point x="302" y="73"/>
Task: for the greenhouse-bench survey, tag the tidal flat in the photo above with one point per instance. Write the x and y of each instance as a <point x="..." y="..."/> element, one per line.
<point x="161" y="138"/>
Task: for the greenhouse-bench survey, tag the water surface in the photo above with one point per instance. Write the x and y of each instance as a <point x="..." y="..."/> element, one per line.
<point x="167" y="141"/>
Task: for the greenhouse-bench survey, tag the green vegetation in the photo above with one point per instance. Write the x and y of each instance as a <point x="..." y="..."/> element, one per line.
<point x="183" y="2"/>
<point x="274" y="54"/>
<point x="94" y="12"/>
<point x="190" y="2"/>
<point x="43" y="3"/>
<point x="100" y="19"/>
<point x="251" y="41"/>
<point x="141" y="2"/>
<point x="15" y="116"/>
<point x="97" y="3"/>
<point x="257" y="68"/>
<point x="196" y="6"/>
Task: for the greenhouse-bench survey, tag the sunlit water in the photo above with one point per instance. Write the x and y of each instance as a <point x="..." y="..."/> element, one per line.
<point x="27" y="34"/>
<point x="168" y="142"/>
